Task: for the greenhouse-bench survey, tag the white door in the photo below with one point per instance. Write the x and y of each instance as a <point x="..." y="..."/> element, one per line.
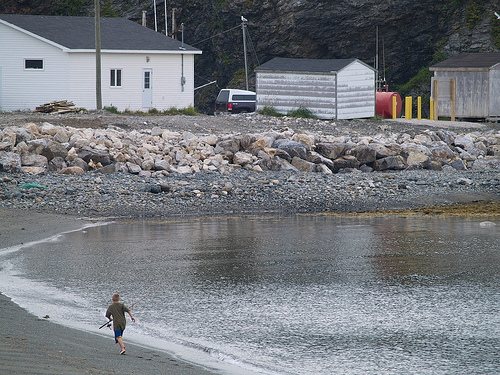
<point x="147" y="88"/>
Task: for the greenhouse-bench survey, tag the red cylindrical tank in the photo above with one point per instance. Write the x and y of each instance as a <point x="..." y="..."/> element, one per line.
<point x="383" y="104"/>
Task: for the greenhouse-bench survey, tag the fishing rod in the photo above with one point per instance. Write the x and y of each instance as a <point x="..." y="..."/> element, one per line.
<point x="108" y="323"/>
<point x="147" y="295"/>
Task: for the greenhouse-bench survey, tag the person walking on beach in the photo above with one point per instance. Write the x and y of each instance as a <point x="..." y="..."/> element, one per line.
<point x="116" y="313"/>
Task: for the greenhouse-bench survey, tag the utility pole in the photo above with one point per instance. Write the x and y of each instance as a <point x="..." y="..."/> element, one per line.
<point x="166" y="24"/>
<point x="174" y="26"/>
<point x="97" y="18"/>
<point x="244" y="26"/>
<point x="156" y="23"/>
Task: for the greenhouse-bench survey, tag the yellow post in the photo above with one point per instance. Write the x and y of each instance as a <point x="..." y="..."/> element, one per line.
<point x="452" y="89"/>
<point x="394" y="107"/>
<point x="431" y="117"/>
<point x="408" y="108"/>
<point x="419" y="108"/>
<point x="436" y="100"/>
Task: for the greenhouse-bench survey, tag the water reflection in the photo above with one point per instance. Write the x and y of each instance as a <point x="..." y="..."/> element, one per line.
<point x="302" y="294"/>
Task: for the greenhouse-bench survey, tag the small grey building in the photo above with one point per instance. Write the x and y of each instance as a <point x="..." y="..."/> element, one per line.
<point x="330" y="89"/>
<point x="477" y="85"/>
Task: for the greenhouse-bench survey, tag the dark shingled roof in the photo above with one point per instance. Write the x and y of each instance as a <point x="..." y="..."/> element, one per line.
<point x="79" y="33"/>
<point x="305" y="65"/>
<point x="469" y="60"/>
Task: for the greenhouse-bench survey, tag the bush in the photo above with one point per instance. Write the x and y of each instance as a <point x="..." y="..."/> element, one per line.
<point x="112" y="109"/>
<point x="269" y="110"/>
<point x="301" y="112"/>
<point x="189" y="111"/>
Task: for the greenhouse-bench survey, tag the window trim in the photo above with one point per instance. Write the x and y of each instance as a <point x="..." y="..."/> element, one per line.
<point x="116" y="77"/>
<point x="25" y="60"/>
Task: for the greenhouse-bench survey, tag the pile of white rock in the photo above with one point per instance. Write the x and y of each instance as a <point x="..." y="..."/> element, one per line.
<point x="50" y="148"/>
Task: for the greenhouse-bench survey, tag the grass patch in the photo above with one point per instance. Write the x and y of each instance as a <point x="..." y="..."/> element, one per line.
<point x="301" y="112"/>
<point x="189" y="111"/>
<point x="112" y="109"/>
<point x="269" y="110"/>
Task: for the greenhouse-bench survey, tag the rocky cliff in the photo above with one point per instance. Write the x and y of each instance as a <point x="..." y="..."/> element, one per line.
<point x="412" y="34"/>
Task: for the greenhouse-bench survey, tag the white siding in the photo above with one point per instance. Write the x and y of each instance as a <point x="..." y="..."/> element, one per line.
<point x="71" y="76"/>
<point x="289" y="91"/>
<point x="26" y="89"/>
<point x="346" y="95"/>
<point x="356" y="92"/>
<point x="166" y="84"/>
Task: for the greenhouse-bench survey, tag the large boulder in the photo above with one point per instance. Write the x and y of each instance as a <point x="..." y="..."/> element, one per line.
<point x="243" y="158"/>
<point x="347" y="161"/>
<point x="79" y="162"/>
<point x="383" y="151"/>
<point x="303" y="165"/>
<point x="34" y="160"/>
<point x="72" y="170"/>
<point x="276" y="164"/>
<point x="231" y="145"/>
<point x="305" y="139"/>
<point x="464" y="141"/>
<point x="442" y="152"/>
<point x="364" y="153"/>
<point x="10" y="162"/>
<point x="488" y="162"/>
<point x="331" y="150"/>
<point x="56" y="164"/>
<point x="390" y="162"/>
<point x="291" y="147"/>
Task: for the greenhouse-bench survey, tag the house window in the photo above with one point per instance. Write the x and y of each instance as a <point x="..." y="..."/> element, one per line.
<point x="33" y="64"/>
<point x="116" y="78"/>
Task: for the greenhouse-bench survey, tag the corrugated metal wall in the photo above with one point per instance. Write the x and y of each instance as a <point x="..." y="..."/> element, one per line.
<point x="289" y="91"/>
<point x="346" y="95"/>
<point x="356" y="92"/>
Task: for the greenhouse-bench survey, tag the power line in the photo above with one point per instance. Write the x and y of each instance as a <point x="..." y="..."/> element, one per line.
<point x="213" y="36"/>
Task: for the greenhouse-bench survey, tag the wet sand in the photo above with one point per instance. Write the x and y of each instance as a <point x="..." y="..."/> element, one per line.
<point x="33" y="345"/>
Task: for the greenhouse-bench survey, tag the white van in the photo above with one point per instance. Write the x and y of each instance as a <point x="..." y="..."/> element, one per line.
<point x="235" y="101"/>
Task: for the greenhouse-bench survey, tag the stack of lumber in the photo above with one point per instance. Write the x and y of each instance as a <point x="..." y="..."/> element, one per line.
<point x="61" y="106"/>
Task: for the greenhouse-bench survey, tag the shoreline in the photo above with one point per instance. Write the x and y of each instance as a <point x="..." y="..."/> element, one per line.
<point x="54" y="203"/>
<point x="31" y="344"/>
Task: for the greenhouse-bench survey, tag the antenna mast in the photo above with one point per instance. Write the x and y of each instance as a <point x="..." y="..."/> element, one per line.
<point x="376" y="62"/>
<point x="244" y="26"/>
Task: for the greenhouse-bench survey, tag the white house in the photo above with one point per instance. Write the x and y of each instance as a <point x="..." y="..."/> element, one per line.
<point x="49" y="58"/>
<point x="330" y="89"/>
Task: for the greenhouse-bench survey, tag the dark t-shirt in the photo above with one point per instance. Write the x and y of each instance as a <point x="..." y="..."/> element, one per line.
<point x="117" y="311"/>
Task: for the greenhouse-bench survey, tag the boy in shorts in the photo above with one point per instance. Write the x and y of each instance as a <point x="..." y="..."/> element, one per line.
<point x="116" y="313"/>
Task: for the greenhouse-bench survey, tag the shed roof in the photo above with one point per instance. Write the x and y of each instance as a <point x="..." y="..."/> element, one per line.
<point x="474" y="61"/>
<point x="307" y="65"/>
<point x="79" y="33"/>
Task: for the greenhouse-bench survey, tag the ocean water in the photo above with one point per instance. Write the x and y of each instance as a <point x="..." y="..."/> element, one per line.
<point x="283" y="295"/>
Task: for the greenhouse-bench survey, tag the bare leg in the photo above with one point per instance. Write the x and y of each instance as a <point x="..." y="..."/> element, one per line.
<point x="122" y="346"/>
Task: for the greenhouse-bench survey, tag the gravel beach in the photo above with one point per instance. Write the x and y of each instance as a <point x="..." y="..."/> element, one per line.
<point x="34" y="206"/>
<point x="34" y="345"/>
<point x="229" y="191"/>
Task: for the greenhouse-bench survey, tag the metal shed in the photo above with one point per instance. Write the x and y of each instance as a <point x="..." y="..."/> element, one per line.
<point x="477" y="85"/>
<point x="330" y="89"/>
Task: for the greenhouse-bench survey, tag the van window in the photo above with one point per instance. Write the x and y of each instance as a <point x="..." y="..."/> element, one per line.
<point x="223" y="96"/>
<point x="244" y="97"/>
